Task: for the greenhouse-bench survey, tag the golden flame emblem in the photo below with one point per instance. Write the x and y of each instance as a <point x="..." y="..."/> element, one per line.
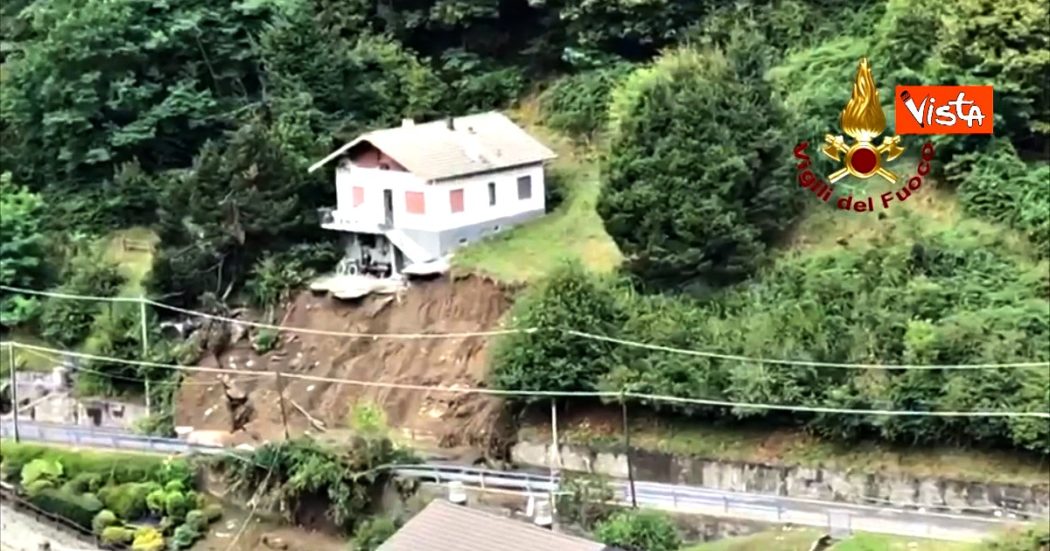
<point x="863" y="119"/>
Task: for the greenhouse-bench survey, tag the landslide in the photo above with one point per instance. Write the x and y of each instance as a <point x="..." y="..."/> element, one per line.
<point x="444" y="305"/>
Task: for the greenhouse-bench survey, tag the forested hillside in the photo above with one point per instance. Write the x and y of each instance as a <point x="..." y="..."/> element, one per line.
<point x="195" y="121"/>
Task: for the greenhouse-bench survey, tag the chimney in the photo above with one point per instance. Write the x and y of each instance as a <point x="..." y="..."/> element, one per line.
<point x="450" y="123"/>
<point x="405" y="123"/>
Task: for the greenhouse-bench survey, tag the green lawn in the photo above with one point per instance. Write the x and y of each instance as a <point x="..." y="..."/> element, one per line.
<point x="574" y="230"/>
<point x="132" y="250"/>
<point x="801" y="539"/>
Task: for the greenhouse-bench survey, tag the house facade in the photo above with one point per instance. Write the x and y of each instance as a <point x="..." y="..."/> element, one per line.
<point x="412" y="194"/>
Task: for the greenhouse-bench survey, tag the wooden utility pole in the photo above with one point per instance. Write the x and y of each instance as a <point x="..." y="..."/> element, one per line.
<point x="627" y="449"/>
<point x="14" y="389"/>
<point x="145" y="346"/>
<point x="555" y="456"/>
<point x="280" y="394"/>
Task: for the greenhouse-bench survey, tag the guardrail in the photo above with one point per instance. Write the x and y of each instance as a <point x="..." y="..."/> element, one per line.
<point x="105" y="438"/>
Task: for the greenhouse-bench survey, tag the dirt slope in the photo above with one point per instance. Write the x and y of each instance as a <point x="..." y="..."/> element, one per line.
<point x="439" y="306"/>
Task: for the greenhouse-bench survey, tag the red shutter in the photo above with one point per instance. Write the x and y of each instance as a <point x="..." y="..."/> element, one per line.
<point x="359" y="195"/>
<point x="456" y="196"/>
<point x="414" y="202"/>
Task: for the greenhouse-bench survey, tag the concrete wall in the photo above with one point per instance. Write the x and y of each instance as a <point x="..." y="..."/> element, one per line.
<point x="799" y="482"/>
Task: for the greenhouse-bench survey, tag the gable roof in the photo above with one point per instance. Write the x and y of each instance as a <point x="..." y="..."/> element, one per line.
<point x="479" y="143"/>
<point x="442" y="525"/>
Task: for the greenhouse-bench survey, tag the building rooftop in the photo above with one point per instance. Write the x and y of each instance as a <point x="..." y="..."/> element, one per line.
<point x="433" y="151"/>
<point x="447" y="527"/>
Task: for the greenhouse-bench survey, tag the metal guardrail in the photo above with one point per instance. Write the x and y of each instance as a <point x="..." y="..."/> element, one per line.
<point x="100" y="437"/>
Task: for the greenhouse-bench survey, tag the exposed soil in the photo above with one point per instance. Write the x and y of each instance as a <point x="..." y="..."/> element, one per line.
<point x="440" y="306"/>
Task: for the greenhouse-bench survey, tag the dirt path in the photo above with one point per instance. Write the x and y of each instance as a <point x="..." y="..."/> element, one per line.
<point x="22" y="532"/>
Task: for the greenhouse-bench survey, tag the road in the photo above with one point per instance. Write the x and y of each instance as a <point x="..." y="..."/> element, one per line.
<point x="22" y="532"/>
<point x="832" y="516"/>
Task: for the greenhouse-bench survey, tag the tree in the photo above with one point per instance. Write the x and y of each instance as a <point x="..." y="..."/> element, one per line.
<point x="633" y="530"/>
<point x="697" y="182"/>
<point x="22" y="253"/>
<point x="549" y="358"/>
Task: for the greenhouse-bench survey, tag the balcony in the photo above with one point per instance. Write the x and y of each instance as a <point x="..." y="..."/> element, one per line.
<point x="349" y="221"/>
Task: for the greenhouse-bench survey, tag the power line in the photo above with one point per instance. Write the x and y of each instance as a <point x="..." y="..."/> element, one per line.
<point x="580" y="334"/>
<point x="554" y="394"/>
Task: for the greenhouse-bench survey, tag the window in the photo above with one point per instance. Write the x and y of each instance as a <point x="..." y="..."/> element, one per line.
<point x="414" y="203"/>
<point x="359" y="195"/>
<point x="525" y="187"/>
<point x="456" y="198"/>
<point x="492" y="193"/>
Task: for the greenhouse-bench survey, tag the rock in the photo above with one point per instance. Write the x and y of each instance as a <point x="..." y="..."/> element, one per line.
<point x="274" y="542"/>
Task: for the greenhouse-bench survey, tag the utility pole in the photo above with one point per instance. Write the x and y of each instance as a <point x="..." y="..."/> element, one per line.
<point x="627" y="448"/>
<point x="14" y="388"/>
<point x="555" y="456"/>
<point x="145" y="347"/>
<point x="280" y="394"/>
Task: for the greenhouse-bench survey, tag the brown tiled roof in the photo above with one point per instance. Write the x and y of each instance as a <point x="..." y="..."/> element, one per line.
<point x="442" y="526"/>
<point x="479" y="143"/>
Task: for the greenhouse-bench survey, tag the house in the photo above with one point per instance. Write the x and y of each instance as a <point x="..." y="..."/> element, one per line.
<point x="447" y="527"/>
<point x="411" y="194"/>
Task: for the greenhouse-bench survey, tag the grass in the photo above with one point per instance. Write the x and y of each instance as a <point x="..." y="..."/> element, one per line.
<point x="765" y="445"/>
<point x="573" y="231"/>
<point x="134" y="260"/>
<point x="801" y="540"/>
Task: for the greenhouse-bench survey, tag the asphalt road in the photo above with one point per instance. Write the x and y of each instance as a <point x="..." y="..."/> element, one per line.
<point x="831" y="516"/>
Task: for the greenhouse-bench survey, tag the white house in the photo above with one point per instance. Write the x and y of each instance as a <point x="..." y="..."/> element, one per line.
<point x="412" y="194"/>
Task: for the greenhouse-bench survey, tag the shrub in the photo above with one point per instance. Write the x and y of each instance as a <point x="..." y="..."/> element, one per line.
<point x="80" y="509"/>
<point x="276" y="275"/>
<point x="148" y="539"/>
<point x="639" y="531"/>
<point x="184" y="537"/>
<point x="212" y="512"/>
<point x="38" y="485"/>
<point x="264" y="340"/>
<point x="104" y="519"/>
<point x="578" y="104"/>
<point x="68" y="322"/>
<point x="112" y="467"/>
<point x="83" y="482"/>
<point x="175" y="486"/>
<point x="175" y="505"/>
<point x="117" y="535"/>
<point x="127" y="500"/>
<point x="372" y="533"/>
<point x="155" y="501"/>
<point x="195" y="519"/>
<point x="41" y="469"/>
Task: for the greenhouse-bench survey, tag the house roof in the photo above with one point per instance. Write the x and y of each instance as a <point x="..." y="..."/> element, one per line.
<point x="442" y="525"/>
<point x="479" y="143"/>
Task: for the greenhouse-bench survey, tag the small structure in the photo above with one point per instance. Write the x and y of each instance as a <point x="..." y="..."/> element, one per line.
<point x="408" y="196"/>
<point x="449" y="527"/>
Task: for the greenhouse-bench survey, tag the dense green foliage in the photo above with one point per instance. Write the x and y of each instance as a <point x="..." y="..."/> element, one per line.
<point x="344" y="479"/>
<point x="22" y="250"/>
<point x="698" y="160"/>
<point x="79" y="508"/>
<point x="371" y="533"/>
<point x="1037" y="537"/>
<point x="578" y="104"/>
<point x="634" y="530"/>
<point x="68" y="322"/>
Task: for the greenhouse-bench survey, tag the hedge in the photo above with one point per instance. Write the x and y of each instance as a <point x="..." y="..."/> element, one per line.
<point x="80" y="509"/>
<point x="112" y="467"/>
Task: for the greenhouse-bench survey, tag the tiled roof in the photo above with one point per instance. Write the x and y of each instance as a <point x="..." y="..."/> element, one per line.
<point x="442" y="526"/>
<point x="478" y="143"/>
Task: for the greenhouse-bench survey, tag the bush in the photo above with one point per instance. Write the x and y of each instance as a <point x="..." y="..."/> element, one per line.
<point x="184" y="537"/>
<point x="155" y="501"/>
<point x="117" y="535"/>
<point x="371" y="533"/>
<point x="264" y="340"/>
<point x="175" y="505"/>
<point x="579" y="104"/>
<point x="80" y="509"/>
<point x="128" y="500"/>
<point x="68" y="322"/>
<point x="104" y="519"/>
<point x="41" y="469"/>
<point x="112" y="467"/>
<point x="83" y="482"/>
<point x="212" y="512"/>
<point x="1029" y="539"/>
<point x="639" y="531"/>
<point x="175" y="486"/>
<point x="39" y="485"/>
<point x="148" y="539"/>
<point x="195" y="519"/>
<point x="276" y="275"/>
